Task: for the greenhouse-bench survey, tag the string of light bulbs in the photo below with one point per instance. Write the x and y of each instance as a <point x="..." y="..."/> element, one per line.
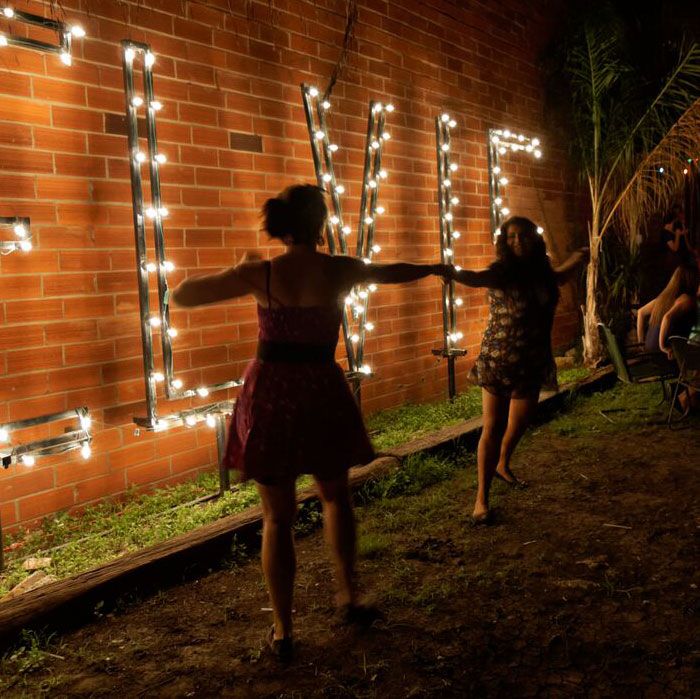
<point x="502" y="142"/>
<point x="355" y="325"/>
<point x="66" y="34"/>
<point x="447" y="200"/>
<point x="21" y="227"/>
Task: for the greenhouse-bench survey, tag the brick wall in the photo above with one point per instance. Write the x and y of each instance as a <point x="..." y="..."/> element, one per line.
<point x="69" y="327"/>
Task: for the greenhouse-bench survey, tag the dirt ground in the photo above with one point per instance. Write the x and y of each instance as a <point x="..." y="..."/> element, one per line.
<point x="585" y="585"/>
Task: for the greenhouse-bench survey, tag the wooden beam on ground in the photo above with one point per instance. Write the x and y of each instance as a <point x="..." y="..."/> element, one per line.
<point x="69" y="602"/>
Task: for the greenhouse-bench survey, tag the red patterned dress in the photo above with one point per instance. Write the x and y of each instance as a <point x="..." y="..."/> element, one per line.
<point x="296" y="414"/>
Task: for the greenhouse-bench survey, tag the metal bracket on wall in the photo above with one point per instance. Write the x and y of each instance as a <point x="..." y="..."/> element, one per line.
<point x="21" y="227"/>
<point x="355" y="324"/>
<point x="215" y="413"/>
<point x="446" y="200"/>
<point x="66" y="34"/>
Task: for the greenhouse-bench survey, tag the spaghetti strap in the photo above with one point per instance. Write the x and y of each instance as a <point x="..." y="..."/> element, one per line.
<point x="268" y="274"/>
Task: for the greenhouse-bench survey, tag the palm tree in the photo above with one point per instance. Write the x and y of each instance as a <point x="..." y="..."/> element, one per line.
<point x="631" y="135"/>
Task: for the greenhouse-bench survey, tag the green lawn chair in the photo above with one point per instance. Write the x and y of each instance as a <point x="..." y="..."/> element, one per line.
<point x="687" y="355"/>
<point x="646" y="367"/>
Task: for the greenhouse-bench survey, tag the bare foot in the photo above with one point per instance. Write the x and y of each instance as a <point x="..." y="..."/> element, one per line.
<point x="480" y="514"/>
<point x="509" y="477"/>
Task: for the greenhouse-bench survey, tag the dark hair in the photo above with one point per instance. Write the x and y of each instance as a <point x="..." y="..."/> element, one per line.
<point x="532" y="272"/>
<point x="298" y="211"/>
<point x="684" y="280"/>
<point x="673" y="215"/>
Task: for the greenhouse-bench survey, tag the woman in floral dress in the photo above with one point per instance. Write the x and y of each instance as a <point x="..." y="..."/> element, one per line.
<point x="516" y="359"/>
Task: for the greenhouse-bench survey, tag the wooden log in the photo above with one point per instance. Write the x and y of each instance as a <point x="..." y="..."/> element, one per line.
<point x="69" y="602"/>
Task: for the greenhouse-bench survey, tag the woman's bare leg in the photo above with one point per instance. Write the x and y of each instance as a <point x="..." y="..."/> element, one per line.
<point x="339" y="529"/>
<point x="495" y="416"/>
<point x="520" y="414"/>
<point x="278" y="556"/>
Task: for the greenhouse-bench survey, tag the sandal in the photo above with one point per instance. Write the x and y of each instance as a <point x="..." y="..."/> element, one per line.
<point x="281" y="648"/>
<point x="359" y="615"/>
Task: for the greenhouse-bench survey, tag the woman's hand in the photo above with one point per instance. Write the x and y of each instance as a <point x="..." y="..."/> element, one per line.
<point x="447" y="272"/>
<point x="252" y="256"/>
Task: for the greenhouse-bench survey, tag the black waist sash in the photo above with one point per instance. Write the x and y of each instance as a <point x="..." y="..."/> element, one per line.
<point x="295" y="352"/>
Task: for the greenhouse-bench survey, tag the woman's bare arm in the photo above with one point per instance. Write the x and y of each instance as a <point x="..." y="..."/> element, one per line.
<point x="210" y="288"/>
<point x="642" y="314"/>
<point x="567" y="270"/>
<point x="353" y="271"/>
<point x="683" y="304"/>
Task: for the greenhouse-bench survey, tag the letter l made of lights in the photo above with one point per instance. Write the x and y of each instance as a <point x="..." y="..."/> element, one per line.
<point x="215" y="413"/>
<point x="354" y="323"/>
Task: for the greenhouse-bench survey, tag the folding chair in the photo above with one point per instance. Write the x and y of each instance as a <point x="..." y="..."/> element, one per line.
<point x="687" y="355"/>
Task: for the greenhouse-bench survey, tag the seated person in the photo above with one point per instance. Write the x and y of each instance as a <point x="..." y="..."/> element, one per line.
<point x="672" y="312"/>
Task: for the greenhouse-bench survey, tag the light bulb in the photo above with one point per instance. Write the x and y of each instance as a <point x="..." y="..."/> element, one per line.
<point x="85" y="422"/>
<point x="137" y="101"/>
<point x="25" y="245"/>
<point x="454" y="167"/>
<point x="4" y="435"/>
<point x="529" y="148"/>
<point x="326" y="104"/>
<point x="538" y="153"/>
<point x="339" y="189"/>
<point x="156" y="106"/>
<point x="211" y="420"/>
<point x="327" y="177"/>
<point x="151" y="212"/>
<point x="445" y="147"/>
<point x="459" y="301"/>
<point x="506" y="134"/>
<point x="368" y="220"/>
<point x="177" y="384"/>
<point x="495" y="139"/>
<point x="372" y="287"/>
<point x="505" y="211"/>
<point x="320" y="135"/>
<point x="363" y="294"/>
<point x="445" y="118"/>
<point x="502" y="151"/>
<point x="163" y="211"/>
<point x="366" y="369"/>
<point x="389" y="108"/>
<point x="454" y="200"/>
<point x="685" y="170"/>
<point x="452" y="123"/>
<point x="354" y="338"/>
<point x="383" y="174"/>
<point x="129" y="55"/>
<point x="376" y="248"/>
<point x="20" y="230"/>
<point x="151" y="267"/>
<point x="346" y="230"/>
<point x="448" y="216"/>
<point x="521" y="137"/>
<point x="359" y="309"/>
<point x="448" y="252"/>
<point x="496" y="170"/>
<point x="456" y="235"/>
<point x="333" y="148"/>
<point x="540" y="230"/>
<point x="498" y="201"/>
<point x="348" y="300"/>
<point x="514" y="146"/>
<point x="161" y="425"/>
<point x="66" y="58"/>
<point x="535" y="142"/>
<point x="172" y="332"/>
<point x="503" y="181"/>
<point x="85" y="451"/>
<point x="140" y="157"/>
<point x="8" y="12"/>
<point x="190" y="420"/>
<point x="372" y="184"/>
<point x="375" y="144"/>
<point x="28" y="460"/>
<point x="378" y="107"/>
<point x="335" y="220"/>
<point x="168" y="266"/>
<point x="157" y="376"/>
<point x="154" y="321"/>
<point x="3" y="40"/>
<point x="149" y="59"/>
<point x="203" y="392"/>
<point x="386" y="135"/>
<point x="367" y="261"/>
<point x="77" y="31"/>
<point x="369" y="326"/>
<point x="458" y="268"/>
<point x="161" y="158"/>
<point x="380" y="210"/>
<point x="313" y="92"/>
<point x="447" y="183"/>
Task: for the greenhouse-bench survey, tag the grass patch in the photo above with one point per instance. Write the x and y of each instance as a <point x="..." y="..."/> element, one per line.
<point x="76" y="543"/>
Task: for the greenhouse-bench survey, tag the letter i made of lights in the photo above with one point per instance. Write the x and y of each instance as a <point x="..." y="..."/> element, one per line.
<point x="213" y="414"/>
<point x="66" y="34"/>
<point x="22" y="232"/>
<point x="26" y="454"/>
<point x="316" y="108"/>
<point x="448" y="235"/>
<point x="501" y="142"/>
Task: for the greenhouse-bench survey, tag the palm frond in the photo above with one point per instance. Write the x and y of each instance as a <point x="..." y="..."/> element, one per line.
<point x="658" y="177"/>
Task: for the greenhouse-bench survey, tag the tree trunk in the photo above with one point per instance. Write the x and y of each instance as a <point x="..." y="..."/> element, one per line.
<point x="593" y="350"/>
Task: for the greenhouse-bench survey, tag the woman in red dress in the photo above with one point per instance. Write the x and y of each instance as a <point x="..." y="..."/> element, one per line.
<point x="296" y="413"/>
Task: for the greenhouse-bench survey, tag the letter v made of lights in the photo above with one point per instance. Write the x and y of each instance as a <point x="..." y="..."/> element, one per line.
<point x="355" y="324"/>
<point x="213" y="414"/>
